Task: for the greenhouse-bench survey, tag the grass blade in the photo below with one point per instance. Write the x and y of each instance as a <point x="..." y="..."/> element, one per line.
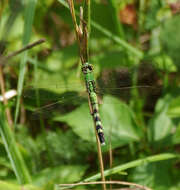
<point x="135" y="163"/>
<point x="29" y="16"/>
<point x="14" y="155"/>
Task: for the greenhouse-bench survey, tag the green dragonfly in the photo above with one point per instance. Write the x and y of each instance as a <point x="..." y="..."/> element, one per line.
<point x="55" y="97"/>
<point x="50" y="101"/>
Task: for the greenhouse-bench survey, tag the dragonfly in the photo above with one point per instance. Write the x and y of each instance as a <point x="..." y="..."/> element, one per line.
<point x="50" y="101"/>
<point x="53" y="97"/>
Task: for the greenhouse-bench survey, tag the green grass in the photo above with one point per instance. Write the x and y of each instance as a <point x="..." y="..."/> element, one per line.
<point x="28" y="22"/>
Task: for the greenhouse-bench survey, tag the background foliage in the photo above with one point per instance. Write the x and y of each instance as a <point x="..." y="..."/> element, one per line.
<point x="137" y="68"/>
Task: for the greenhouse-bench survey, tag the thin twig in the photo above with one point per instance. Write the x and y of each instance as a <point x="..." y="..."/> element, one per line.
<point x="106" y="182"/>
<point x="100" y="158"/>
<point x="5" y="101"/>
<point x="29" y="46"/>
<point x="82" y="35"/>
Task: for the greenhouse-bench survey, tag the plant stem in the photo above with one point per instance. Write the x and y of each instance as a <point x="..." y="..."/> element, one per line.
<point x="107" y="182"/>
<point x="27" y="47"/>
<point x="82" y="35"/>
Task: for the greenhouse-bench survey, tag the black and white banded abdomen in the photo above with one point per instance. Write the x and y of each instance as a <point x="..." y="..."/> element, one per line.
<point x="98" y="124"/>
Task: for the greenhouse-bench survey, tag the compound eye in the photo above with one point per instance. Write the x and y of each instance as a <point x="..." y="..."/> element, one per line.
<point x="90" y="67"/>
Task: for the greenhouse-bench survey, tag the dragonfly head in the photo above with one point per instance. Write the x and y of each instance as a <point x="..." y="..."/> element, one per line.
<point x="87" y="68"/>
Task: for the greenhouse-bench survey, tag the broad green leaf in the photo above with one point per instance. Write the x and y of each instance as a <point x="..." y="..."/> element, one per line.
<point x="59" y="174"/>
<point x="119" y="122"/>
<point x="59" y="72"/>
<point x="160" y="125"/>
<point x="117" y="118"/>
<point x="174" y="108"/>
<point x="81" y="122"/>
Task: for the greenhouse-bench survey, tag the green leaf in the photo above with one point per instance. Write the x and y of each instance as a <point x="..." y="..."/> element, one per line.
<point x="102" y="14"/>
<point x="160" y="126"/>
<point x="63" y="62"/>
<point x="10" y="186"/>
<point x="151" y="18"/>
<point x="174" y="108"/>
<point x="59" y="174"/>
<point x="154" y="175"/>
<point x="81" y="122"/>
<point x="117" y="119"/>
<point x="176" y="136"/>
<point x="119" y="122"/>
<point x="170" y="38"/>
<point x="165" y="63"/>
<point x="112" y="59"/>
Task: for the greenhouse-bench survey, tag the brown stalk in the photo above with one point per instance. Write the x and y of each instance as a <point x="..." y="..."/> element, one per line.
<point x="3" y="60"/>
<point x="82" y="38"/>
<point x="107" y="182"/>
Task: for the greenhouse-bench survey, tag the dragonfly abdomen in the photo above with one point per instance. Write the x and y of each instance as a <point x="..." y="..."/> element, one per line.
<point x="98" y="124"/>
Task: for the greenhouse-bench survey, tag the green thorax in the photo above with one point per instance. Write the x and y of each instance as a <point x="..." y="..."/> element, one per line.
<point x="87" y="69"/>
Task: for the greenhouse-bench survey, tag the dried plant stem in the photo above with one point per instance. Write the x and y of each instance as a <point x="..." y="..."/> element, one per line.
<point x="5" y="101"/>
<point x="3" y="60"/>
<point x="107" y="182"/>
<point x="82" y="35"/>
<point x="100" y="158"/>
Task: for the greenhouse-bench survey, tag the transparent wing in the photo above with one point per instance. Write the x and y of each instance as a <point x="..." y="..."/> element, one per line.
<point x="45" y="102"/>
<point x="119" y="83"/>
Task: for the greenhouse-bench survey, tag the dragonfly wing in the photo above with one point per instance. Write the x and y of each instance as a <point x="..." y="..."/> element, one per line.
<point x="126" y="93"/>
<point x="58" y="103"/>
